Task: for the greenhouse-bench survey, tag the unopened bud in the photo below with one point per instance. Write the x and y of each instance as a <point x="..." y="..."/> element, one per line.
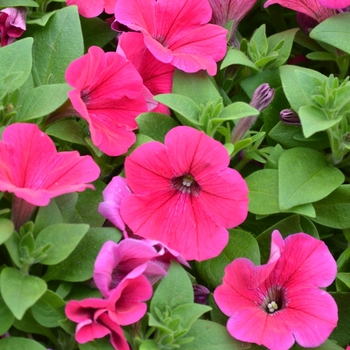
<point x="201" y="294"/>
<point x="288" y="116"/>
<point x="262" y="97"/>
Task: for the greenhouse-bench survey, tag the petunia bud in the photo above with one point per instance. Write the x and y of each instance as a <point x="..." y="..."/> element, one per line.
<point x="201" y="294"/>
<point x="12" y="24"/>
<point x="288" y="116"/>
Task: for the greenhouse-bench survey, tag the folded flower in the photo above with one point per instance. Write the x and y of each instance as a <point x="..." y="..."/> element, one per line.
<point x="311" y="8"/>
<point x="94" y="8"/>
<point x="32" y="169"/>
<point x="279" y="303"/>
<point x="108" y="96"/>
<point x="157" y="76"/>
<point x="12" y="24"/>
<point x="176" y="32"/>
<point x="184" y="194"/>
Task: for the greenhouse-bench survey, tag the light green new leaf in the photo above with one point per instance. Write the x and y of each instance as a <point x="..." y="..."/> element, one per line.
<point x="235" y="111"/>
<point x="235" y="56"/>
<point x="14" y="343"/>
<point x="6" y="229"/>
<point x="63" y="239"/>
<point x="56" y="45"/>
<point x="334" y="31"/>
<point x="6" y="317"/>
<point x="305" y="177"/>
<point x="20" y="291"/>
<point x="15" y="3"/>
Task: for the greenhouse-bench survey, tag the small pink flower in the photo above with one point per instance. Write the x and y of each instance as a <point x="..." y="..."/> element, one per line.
<point x="108" y="96"/>
<point x="335" y="4"/>
<point x="157" y="76"/>
<point x="176" y="32"/>
<point x="115" y="262"/>
<point x="32" y="169"/>
<point x="184" y="194"/>
<point x="279" y="303"/>
<point x="227" y="10"/>
<point x="12" y="24"/>
<point x="93" y="8"/>
<point x="311" y="8"/>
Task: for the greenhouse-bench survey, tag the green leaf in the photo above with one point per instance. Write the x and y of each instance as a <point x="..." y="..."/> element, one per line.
<point x="320" y="56"/>
<point x="155" y="125"/>
<point x="234" y="111"/>
<point x="6" y="317"/>
<point x="12" y="246"/>
<point x="314" y="119"/>
<point x="63" y="239"/>
<point x="97" y="344"/>
<point x="15" y="3"/>
<point x="16" y="61"/>
<point x="6" y="230"/>
<point x="211" y="336"/>
<point x="199" y="87"/>
<point x="305" y="177"/>
<point x="334" y="31"/>
<point x="46" y="216"/>
<point x="241" y="244"/>
<point x="174" y="290"/>
<point x="333" y="211"/>
<point x="345" y="278"/>
<point x="14" y="343"/>
<point x="186" y="109"/>
<point x="149" y="344"/>
<point x="20" y="291"/>
<point x="56" y="45"/>
<point x="39" y="18"/>
<point x="67" y="130"/>
<point x="235" y="56"/>
<point x="83" y="257"/>
<point x="300" y="85"/>
<point x="96" y="32"/>
<point x="49" y="310"/>
<point x="188" y="313"/>
<point x="41" y="101"/>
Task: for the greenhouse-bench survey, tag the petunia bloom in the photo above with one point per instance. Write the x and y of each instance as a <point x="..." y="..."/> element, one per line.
<point x="32" y="169"/>
<point x="108" y="96"/>
<point x="157" y="76"/>
<point x="280" y="302"/>
<point x="227" y="10"/>
<point x="335" y="4"/>
<point x="12" y="24"/>
<point x="184" y="194"/>
<point x="176" y="32"/>
<point x="94" y="8"/>
<point x="311" y="8"/>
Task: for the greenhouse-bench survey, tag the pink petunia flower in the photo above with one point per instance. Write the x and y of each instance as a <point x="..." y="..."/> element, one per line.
<point x="108" y="96"/>
<point x="184" y="194"/>
<point x="93" y="8"/>
<point x="176" y="32"/>
<point x="34" y="171"/>
<point x="157" y="76"/>
<point x="279" y="303"/>
<point x="12" y="24"/>
<point x="227" y="10"/>
<point x="311" y="8"/>
<point x="335" y="4"/>
<point x="97" y="318"/>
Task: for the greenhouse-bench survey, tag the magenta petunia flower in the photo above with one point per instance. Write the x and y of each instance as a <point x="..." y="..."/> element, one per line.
<point x="12" y="24"/>
<point x="93" y="8"/>
<point x="227" y="10"/>
<point x="176" y="32"/>
<point x="279" y="303"/>
<point x="335" y="4"/>
<point x="32" y="169"/>
<point x="184" y="194"/>
<point x="157" y="76"/>
<point x="108" y="96"/>
<point x="311" y="8"/>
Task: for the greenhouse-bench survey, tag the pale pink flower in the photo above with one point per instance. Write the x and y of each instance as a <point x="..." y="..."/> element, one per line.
<point x="184" y="194"/>
<point x="93" y="8"/>
<point x="108" y="96"/>
<point x="157" y="76"/>
<point x="32" y="169"/>
<point x="176" y="32"/>
<point x="335" y="4"/>
<point x="279" y="303"/>
<point x="311" y="8"/>
<point x="12" y="24"/>
<point x="227" y="10"/>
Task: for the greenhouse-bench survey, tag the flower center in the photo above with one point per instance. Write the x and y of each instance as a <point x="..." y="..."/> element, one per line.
<point x="274" y="300"/>
<point x="186" y="184"/>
